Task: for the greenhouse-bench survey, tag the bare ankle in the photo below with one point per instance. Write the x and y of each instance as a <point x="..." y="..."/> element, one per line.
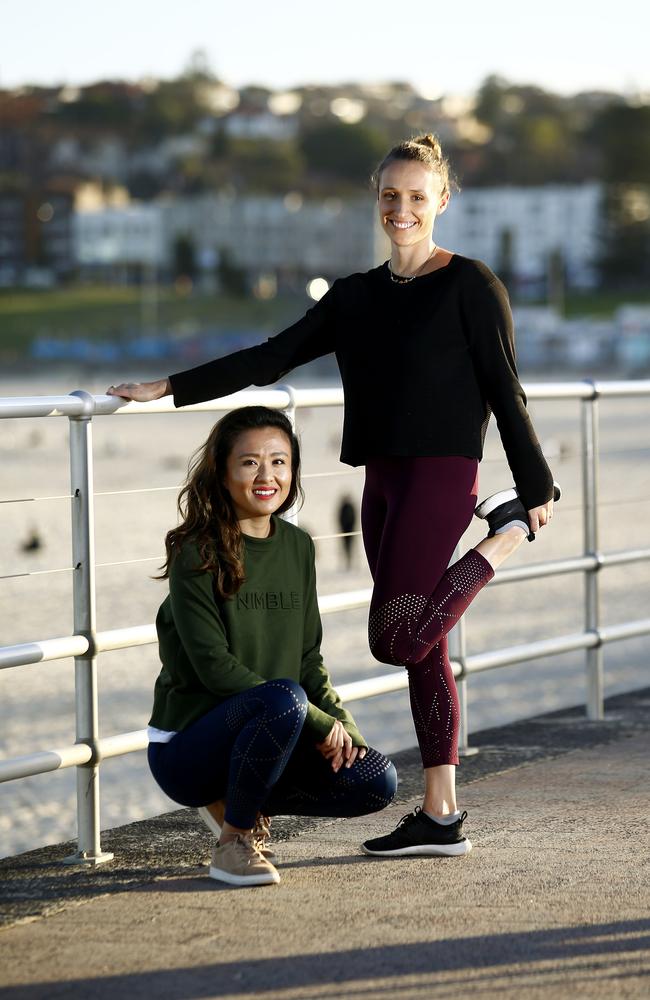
<point x="439" y="808"/>
<point x="230" y="832"/>
<point x="497" y="548"/>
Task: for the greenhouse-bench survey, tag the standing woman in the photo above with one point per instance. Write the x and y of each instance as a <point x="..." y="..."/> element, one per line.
<point x="425" y="347"/>
<point x="245" y="722"/>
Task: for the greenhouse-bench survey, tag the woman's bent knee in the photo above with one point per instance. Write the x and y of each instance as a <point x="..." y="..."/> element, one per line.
<point x="380" y="781"/>
<point x="383" y="649"/>
<point x="389" y="783"/>
<point x="283" y="695"/>
<point x="400" y="654"/>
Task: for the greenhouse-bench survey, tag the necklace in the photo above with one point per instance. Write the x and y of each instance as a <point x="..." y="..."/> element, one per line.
<point x="401" y="279"/>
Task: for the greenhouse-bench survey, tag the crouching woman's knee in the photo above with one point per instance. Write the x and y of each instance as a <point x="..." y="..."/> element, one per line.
<point x="379" y="779"/>
<point x="283" y="697"/>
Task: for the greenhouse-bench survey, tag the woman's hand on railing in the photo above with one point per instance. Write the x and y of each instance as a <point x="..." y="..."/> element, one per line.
<point x="141" y="392"/>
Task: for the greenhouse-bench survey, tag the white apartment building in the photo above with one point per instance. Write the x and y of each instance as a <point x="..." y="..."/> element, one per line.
<point x="535" y="221"/>
<point x="125" y="236"/>
<point x="288" y="236"/>
<point x="294" y="239"/>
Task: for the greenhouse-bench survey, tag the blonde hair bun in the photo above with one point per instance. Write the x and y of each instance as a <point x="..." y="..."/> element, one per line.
<point x="432" y="142"/>
<point x="423" y="149"/>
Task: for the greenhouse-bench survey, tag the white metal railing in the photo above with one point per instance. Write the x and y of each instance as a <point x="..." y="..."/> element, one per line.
<point x="86" y="642"/>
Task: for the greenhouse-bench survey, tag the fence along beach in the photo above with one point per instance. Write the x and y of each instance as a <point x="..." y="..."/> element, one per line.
<point x="147" y="454"/>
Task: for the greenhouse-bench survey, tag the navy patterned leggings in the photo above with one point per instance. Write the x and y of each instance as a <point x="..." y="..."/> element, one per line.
<point x="251" y="750"/>
<point x="414" y="512"/>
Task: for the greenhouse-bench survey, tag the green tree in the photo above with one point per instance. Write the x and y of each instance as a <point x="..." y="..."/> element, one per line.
<point x="621" y="135"/>
<point x="232" y="278"/>
<point x="624" y="261"/>
<point x="349" y="152"/>
<point x="265" y="165"/>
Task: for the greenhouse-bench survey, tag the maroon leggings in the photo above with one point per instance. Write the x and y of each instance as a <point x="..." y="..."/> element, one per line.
<point x="413" y="513"/>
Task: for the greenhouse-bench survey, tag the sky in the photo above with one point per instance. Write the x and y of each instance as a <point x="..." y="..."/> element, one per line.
<point x="561" y="45"/>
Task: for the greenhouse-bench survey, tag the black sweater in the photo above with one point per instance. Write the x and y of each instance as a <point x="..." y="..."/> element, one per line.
<point x="423" y="365"/>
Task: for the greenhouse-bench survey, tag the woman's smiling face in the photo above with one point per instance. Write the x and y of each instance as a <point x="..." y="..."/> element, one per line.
<point x="258" y="472"/>
<point x="410" y="196"/>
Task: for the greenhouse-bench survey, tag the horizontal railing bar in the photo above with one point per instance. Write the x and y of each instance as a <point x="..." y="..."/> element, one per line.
<point x="530" y="651"/>
<point x="340" y="534"/>
<point x="122" y="638"/>
<point x="617" y="452"/>
<point x="324" y="396"/>
<point x="50" y="649"/>
<point x="279" y="398"/>
<point x="44" y="761"/>
<point x="626" y="630"/>
<point x="623" y="557"/>
<point x="123" y="743"/>
<point x="348" y="601"/>
<point x="559" y="390"/>
<point x="276" y="399"/>
<point x="43" y="650"/>
<point x="622" y="387"/>
<point x="572" y="564"/>
<point x="371" y="686"/>
<point x="555" y="567"/>
<point x="40" y="406"/>
<point x="115" y="746"/>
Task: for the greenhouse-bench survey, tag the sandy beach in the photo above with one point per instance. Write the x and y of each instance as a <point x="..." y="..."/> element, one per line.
<point x="138" y="453"/>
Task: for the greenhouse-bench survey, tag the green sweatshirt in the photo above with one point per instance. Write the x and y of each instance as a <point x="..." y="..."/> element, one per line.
<point x="212" y="648"/>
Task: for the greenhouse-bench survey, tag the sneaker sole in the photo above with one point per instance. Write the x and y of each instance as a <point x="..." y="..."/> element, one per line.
<point x="271" y="878"/>
<point x="428" y="850"/>
<point x="495" y="501"/>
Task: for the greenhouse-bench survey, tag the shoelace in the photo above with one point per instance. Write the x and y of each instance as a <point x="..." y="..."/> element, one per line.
<point x="246" y="845"/>
<point x="410" y="817"/>
<point x="261" y="832"/>
<point x="413" y="816"/>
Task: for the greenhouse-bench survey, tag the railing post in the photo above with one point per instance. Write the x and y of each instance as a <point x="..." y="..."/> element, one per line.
<point x="594" y="662"/>
<point x="289" y="411"/>
<point x="458" y="651"/>
<point x="89" y="850"/>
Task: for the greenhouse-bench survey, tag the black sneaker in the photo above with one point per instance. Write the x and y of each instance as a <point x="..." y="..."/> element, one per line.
<point x="417" y="833"/>
<point x="505" y="510"/>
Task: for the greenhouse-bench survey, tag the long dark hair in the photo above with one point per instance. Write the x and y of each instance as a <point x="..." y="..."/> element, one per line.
<point x="206" y="511"/>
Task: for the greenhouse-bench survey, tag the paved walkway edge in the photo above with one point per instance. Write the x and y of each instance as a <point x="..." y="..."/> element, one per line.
<point x="36" y="884"/>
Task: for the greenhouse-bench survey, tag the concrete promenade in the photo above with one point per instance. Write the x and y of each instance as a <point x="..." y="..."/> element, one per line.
<point x="554" y="901"/>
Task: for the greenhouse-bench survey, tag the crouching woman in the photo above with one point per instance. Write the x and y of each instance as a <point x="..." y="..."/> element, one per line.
<point x="246" y="723"/>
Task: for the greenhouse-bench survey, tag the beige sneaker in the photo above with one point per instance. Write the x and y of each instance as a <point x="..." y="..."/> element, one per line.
<point x="240" y="863"/>
<point x="261" y="831"/>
